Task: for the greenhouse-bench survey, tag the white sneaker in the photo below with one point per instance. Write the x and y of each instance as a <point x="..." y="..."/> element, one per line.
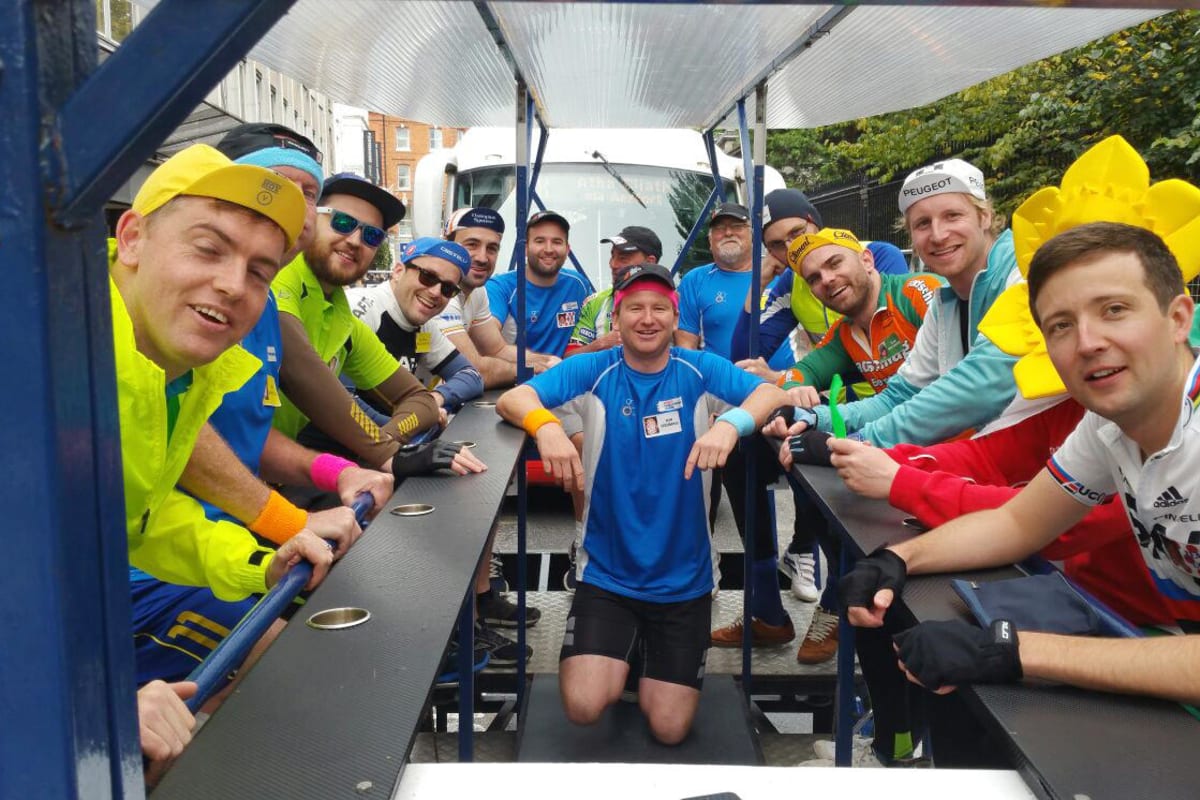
<point x="801" y="568"/>
<point x="864" y="754"/>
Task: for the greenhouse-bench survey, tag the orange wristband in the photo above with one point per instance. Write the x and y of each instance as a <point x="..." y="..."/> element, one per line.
<point x="535" y="419"/>
<point x="279" y="520"/>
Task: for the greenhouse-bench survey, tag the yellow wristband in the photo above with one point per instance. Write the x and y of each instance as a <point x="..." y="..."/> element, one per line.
<point x="279" y="520"/>
<point x="535" y="419"/>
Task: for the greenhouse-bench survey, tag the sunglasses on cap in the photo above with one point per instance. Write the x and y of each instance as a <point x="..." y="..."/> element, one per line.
<point x="271" y="139"/>
<point x="343" y="223"/>
<point x="429" y="279"/>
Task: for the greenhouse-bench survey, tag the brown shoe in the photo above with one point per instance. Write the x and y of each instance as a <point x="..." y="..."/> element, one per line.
<point x="821" y="641"/>
<point x="764" y="635"/>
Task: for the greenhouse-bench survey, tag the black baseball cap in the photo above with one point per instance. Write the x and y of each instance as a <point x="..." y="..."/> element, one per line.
<point x="635" y="272"/>
<point x="357" y="186"/>
<point x="634" y="238"/>
<point x="254" y="136"/>
<point x="788" y="203"/>
<point x="549" y="216"/>
<point x="735" y="210"/>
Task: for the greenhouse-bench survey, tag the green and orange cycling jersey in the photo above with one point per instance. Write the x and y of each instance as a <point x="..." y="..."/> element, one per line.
<point x="903" y="301"/>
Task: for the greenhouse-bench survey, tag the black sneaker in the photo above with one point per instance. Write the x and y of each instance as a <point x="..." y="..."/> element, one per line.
<point x="502" y="651"/>
<point x="496" y="575"/>
<point x="498" y="612"/>
<point x="448" y="669"/>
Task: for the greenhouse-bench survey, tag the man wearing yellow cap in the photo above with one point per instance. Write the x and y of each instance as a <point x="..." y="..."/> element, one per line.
<point x="189" y="272"/>
<point x="880" y="314"/>
<point x="193" y="262"/>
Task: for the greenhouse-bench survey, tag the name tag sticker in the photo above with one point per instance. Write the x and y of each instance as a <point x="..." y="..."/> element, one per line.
<point x="661" y="424"/>
<point x="670" y="405"/>
<point x="424" y="340"/>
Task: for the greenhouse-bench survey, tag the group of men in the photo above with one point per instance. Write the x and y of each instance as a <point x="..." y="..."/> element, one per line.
<point x="237" y="338"/>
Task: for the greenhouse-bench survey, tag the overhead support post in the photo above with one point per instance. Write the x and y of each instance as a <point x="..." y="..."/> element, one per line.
<point x="710" y="146"/>
<point x="717" y="195"/>
<point x="169" y="63"/>
<point x="755" y="157"/>
<point x="747" y="157"/>
<point x="524" y="131"/>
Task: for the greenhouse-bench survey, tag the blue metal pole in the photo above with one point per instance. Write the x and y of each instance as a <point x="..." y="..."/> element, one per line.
<point x="747" y="159"/>
<point x="466" y="678"/>
<point x="844" y="693"/>
<point x="66" y="668"/>
<point x="710" y="146"/>
<point x="525" y="116"/>
<point x="709" y="204"/>
<point x="159" y="74"/>
<point x="234" y="648"/>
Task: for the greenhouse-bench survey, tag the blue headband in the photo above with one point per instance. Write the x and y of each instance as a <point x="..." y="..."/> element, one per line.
<point x="270" y="157"/>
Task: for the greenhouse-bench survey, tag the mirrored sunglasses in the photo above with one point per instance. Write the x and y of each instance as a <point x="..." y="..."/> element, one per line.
<point x="345" y="224"/>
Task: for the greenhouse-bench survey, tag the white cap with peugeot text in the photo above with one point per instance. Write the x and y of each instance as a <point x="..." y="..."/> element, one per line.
<point x="951" y="175"/>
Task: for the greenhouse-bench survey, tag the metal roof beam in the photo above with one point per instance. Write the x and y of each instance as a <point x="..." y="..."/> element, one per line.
<point x="492" y="23"/>
<point x="169" y="63"/>
<point x="817" y="30"/>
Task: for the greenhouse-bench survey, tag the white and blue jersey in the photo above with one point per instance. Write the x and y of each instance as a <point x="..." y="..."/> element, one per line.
<point x="710" y="301"/>
<point x="551" y="313"/>
<point x="645" y="528"/>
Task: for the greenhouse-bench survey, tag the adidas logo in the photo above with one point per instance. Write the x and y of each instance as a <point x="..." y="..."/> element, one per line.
<point x="1170" y="498"/>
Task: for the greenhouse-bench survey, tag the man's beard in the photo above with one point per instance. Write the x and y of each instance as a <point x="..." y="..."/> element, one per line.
<point x="321" y="266"/>
<point x="729" y="254"/>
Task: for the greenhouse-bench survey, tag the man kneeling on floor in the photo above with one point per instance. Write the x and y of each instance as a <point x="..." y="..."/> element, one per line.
<point x="645" y="574"/>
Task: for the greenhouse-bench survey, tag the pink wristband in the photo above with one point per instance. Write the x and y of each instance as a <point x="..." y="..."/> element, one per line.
<point x="325" y="471"/>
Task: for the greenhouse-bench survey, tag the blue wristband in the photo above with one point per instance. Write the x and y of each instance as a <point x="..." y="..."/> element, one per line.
<point x="740" y="419"/>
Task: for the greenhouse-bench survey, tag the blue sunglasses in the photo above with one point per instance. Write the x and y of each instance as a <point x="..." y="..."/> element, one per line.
<point x="345" y="224"/>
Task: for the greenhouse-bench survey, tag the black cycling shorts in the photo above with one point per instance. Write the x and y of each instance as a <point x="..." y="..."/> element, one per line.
<point x="671" y="638"/>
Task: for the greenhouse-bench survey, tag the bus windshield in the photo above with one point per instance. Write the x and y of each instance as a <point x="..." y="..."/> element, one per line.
<point x="598" y="206"/>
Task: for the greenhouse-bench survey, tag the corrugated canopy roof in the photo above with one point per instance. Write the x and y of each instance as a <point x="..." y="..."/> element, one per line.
<point x="607" y="65"/>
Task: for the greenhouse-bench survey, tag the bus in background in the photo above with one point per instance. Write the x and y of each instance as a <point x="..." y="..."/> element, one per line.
<point x="601" y="180"/>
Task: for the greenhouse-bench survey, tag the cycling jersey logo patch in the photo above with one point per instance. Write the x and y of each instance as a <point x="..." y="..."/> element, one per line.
<point x="1169" y="499"/>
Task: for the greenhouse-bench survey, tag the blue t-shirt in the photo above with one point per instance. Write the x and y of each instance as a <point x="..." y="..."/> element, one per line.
<point x="710" y="300"/>
<point x="244" y="417"/>
<point x="645" y="529"/>
<point x="551" y="313"/>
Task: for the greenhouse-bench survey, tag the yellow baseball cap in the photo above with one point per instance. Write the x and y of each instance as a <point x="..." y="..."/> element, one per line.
<point x="201" y="171"/>
<point x="801" y="246"/>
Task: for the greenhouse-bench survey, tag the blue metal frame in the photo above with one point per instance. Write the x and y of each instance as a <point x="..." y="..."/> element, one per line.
<point x="67" y="669"/>
<point x="535" y="198"/>
<point x="525" y="117"/>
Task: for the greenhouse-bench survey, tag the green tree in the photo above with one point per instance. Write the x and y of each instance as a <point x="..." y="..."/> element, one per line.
<point x="1025" y="127"/>
<point x="383" y="257"/>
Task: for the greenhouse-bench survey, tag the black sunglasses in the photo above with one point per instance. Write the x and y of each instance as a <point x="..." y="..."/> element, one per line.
<point x="428" y="278"/>
<point x="345" y="224"/>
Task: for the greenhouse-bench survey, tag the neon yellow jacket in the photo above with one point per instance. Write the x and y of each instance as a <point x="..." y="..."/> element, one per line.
<point x="169" y="537"/>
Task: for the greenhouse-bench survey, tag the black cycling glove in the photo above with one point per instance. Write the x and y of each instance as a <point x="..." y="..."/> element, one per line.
<point x="954" y="653"/>
<point x="810" y="447"/>
<point x="883" y="569"/>
<point x="424" y="458"/>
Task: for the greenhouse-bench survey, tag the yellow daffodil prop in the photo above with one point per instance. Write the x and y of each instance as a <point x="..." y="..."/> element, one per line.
<point x="1108" y="183"/>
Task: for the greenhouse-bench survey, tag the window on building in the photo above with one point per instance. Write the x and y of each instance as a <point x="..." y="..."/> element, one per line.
<point x="435" y="139"/>
<point x="403" y="178"/>
<point x="403" y="138"/>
